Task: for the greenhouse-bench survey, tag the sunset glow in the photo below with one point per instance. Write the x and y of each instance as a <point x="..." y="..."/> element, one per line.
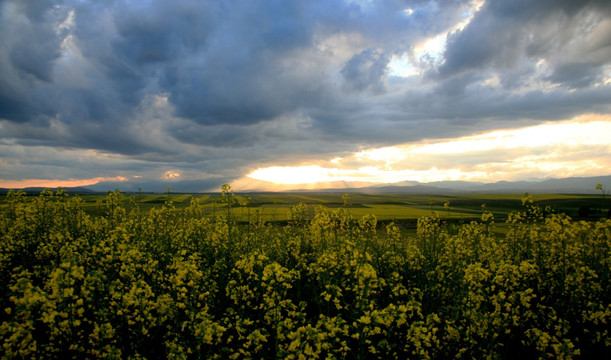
<point x="573" y="148"/>
<point x="54" y="183"/>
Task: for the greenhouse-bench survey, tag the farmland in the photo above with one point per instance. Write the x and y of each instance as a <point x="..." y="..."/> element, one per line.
<point x="274" y="206"/>
<point x="233" y="276"/>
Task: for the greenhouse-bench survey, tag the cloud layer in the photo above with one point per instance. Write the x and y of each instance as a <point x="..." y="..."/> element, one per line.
<point x="205" y="92"/>
<point x="554" y="149"/>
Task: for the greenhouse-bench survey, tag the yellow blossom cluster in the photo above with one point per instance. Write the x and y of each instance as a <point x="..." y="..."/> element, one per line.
<point x="175" y="283"/>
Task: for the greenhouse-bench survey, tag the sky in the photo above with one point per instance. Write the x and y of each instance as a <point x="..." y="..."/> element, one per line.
<point x="193" y="94"/>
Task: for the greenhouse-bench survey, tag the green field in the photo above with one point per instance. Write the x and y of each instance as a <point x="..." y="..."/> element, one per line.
<point x="386" y="207"/>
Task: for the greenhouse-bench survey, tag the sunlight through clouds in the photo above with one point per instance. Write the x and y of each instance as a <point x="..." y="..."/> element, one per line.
<point x="171" y="175"/>
<point x="572" y="148"/>
<point x="408" y="64"/>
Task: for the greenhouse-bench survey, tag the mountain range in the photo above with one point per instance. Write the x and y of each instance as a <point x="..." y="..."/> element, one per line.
<point x="572" y="185"/>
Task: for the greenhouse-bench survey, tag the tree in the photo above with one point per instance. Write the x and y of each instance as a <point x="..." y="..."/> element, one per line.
<point x="600" y="187"/>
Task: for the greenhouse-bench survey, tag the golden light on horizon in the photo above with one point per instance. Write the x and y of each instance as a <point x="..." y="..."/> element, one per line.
<point x="580" y="147"/>
<point x="296" y="174"/>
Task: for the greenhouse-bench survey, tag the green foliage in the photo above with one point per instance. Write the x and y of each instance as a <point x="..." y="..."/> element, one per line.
<point x="172" y="282"/>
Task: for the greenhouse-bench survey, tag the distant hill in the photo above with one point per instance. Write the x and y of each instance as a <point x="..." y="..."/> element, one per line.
<point x="573" y="185"/>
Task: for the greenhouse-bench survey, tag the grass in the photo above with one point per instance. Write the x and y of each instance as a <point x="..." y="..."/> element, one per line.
<point x="275" y="206"/>
<point x="400" y="212"/>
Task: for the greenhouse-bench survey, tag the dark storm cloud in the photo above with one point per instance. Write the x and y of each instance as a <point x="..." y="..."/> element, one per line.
<point x="226" y="85"/>
<point x="219" y="62"/>
<point x="36" y="61"/>
<point x="503" y="32"/>
<point x="218" y="136"/>
<point x="216" y="61"/>
<point x="29" y="45"/>
<point x="577" y="74"/>
<point x="163" y="31"/>
<point x="365" y="71"/>
<point x="12" y="107"/>
<point x="34" y="39"/>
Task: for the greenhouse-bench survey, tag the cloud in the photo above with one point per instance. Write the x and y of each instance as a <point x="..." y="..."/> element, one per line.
<point x="577" y="74"/>
<point x="365" y="71"/>
<point x="54" y="183"/>
<point x="503" y="32"/>
<point x="214" y="90"/>
<point x="171" y="175"/>
<point x="34" y="42"/>
<point x="572" y="148"/>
